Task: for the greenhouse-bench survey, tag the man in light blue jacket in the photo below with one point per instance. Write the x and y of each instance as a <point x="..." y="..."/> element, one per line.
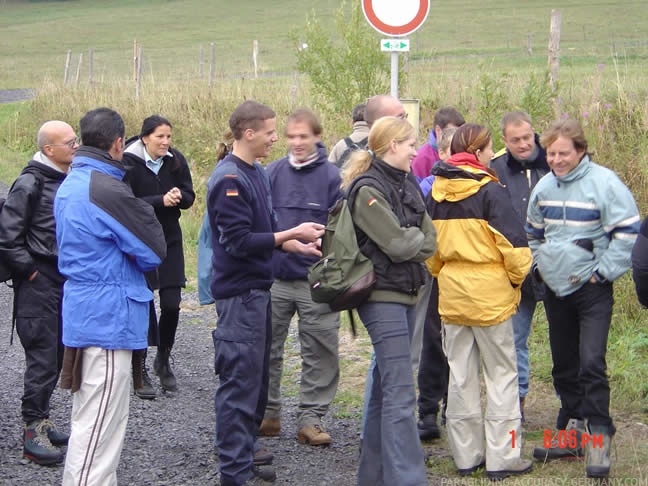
<point x="107" y="239"/>
<point x="582" y="222"/>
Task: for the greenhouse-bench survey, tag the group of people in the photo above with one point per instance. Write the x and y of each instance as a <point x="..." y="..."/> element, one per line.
<point x="88" y="232"/>
<point x="464" y="243"/>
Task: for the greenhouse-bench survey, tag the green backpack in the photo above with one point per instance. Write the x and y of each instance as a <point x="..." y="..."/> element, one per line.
<point x="344" y="278"/>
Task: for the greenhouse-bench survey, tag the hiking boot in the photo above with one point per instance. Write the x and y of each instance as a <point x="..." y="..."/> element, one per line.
<point x="57" y="438"/>
<point x="597" y="462"/>
<point x="519" y="467"/>
<point x="428" y="428"/>
<point x="263" y="457"/>
<point x="313" y="435"/>
<point x="262" y="475"/>
<point x="37" y="447"/>
<point x="470" y="470"/>
<point x="147" y="390"/>
<point x="163" y="369"/>
<point x="559" y="448"/>
<point x="270" y="427"/>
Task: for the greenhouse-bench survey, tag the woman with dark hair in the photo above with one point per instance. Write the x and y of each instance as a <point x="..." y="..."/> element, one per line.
<point x="396" y="234"/>
<point x="482" y="259"/>
<point x="159" y="175"/>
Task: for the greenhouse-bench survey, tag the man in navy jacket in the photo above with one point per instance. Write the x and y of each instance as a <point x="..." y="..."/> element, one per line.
<point x="244" y="236"/>
<point x="304" y="186"/>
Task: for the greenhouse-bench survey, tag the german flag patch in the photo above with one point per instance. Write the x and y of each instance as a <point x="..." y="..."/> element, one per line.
<point x="231" y="192"/>
<point x="371" y="201"/>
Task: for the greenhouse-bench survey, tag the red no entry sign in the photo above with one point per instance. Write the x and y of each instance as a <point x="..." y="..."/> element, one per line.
<point x="396" y="17"/>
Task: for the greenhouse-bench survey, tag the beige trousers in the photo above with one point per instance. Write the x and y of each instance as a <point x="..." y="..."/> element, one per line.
<point x="471" y="437"/>
<point x="99" y="417"/>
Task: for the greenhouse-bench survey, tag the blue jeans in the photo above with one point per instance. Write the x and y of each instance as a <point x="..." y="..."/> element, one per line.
<point x="521" y="330"/>
<point x="391" y="451"/>
<point x="241" y="360"/>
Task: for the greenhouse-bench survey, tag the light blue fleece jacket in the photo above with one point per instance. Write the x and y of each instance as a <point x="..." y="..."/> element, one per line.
<point x="589" y="203"/>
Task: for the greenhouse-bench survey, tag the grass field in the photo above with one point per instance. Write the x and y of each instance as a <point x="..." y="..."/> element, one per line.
<point x="471" y="54"/>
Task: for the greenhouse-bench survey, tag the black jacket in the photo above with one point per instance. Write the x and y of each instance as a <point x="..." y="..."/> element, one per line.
<point x="27" y="227"/>
<point x="151" y="188"/>
<point x="519" y="182"/>
<point x="640" y="264"/>
<point x="406" y="201"/>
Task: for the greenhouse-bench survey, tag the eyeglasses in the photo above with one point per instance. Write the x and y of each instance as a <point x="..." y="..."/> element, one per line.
<point x="70" y="143"/>
<point x="402" y="116"/>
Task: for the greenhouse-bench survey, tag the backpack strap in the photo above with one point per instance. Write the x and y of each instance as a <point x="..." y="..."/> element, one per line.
<point x="349" y="143"/>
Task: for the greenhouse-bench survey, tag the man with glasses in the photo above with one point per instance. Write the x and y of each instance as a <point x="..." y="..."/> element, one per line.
<point x="28" y="246"/>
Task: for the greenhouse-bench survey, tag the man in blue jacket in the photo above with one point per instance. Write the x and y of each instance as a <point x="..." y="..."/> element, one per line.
<point x="582" y="222"/>
<point x="304" y="186"/>
<point x="107" y="239"/>
<point x="244" y="236"/>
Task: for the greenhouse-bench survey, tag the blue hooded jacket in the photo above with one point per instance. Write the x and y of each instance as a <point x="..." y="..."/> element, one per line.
<point x="107" y="239"/>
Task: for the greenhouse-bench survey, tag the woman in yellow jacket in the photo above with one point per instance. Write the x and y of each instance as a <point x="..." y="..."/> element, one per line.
<point x="482" y="259"/>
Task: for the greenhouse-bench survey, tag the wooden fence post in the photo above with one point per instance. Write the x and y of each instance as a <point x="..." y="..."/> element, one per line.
<point x="66" y="74"/>
<point x="91" y="65"/>
<point x="554" y="48"/>
<point x="255" y="54"/>
<point x="135" y="60"/>
<point x="138" y="72"/>
<point x="201" y="61"/>
<point x="78" y="73"/>
<point x="212" y="61"/>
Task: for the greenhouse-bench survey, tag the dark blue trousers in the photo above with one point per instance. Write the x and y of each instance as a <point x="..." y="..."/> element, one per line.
<point x="433" y="367"/>
<point x="578" y="331"/>
<point x="242" y="342"/>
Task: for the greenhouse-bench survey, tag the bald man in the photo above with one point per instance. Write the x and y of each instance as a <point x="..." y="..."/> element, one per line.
<point x="28" y="246"/>
<point x="383" y="105"/>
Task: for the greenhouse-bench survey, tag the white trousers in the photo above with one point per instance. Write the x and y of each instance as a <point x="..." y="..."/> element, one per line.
<point x="471" y="437"/>
<point x="99" y="418"/>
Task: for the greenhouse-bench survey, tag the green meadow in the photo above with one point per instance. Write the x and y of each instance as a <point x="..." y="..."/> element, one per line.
<point x="485" y="57"/>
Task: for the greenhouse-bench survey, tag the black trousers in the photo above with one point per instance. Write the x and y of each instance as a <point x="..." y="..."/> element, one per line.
<point x="578" y="331"/>
<point x="163" y="334"/>
<point x="38" y="324"/>
<point x="433" y="367"/>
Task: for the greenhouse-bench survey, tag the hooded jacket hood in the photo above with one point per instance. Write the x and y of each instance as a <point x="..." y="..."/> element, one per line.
<point x="460" y="177"/>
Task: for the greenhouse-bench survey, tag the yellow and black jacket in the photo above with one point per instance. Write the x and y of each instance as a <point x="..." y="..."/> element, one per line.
<point x="483" y="255"/>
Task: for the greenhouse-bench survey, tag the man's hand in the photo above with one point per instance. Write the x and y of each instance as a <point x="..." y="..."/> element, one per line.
<point x="296" y="246"/>
<point x="309" y="231"/>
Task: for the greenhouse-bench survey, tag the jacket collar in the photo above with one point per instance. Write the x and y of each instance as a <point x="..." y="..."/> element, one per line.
<point x="579" y="171"/>
<point x="98" y="159"/>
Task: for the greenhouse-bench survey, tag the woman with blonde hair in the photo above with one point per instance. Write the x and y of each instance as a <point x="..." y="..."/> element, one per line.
<point x="482" y="259"/>
<point x="395" y="232"/>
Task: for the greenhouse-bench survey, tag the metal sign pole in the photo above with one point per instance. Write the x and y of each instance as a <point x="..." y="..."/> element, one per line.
<point x="394" y="74"/>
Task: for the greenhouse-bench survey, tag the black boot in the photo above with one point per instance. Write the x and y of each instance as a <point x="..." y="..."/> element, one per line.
<point x="144" y="388"/>
<point x="163" y="369"/>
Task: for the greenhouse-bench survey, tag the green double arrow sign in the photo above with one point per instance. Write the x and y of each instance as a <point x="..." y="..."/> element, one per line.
<point x="400" y="45"/>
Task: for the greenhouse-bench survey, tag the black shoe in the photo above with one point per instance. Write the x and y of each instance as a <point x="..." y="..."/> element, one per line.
<point x="266" y="474"/>
<point x="521" y="466"/>
<point x="163" y="369"/>
<point x="37" y="447"/>
<point x="263" y="457"/>
<point x="470" y="470"/>
<point x="428" y="428"/>
<point x="597" y="462"/>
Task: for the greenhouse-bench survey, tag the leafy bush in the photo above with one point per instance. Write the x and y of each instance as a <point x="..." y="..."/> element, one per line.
<point x="346" y="72"/>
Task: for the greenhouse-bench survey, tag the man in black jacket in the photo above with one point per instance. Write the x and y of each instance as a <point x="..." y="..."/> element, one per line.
<point x="28" y="246"/>
<point x="520" y="168"/>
